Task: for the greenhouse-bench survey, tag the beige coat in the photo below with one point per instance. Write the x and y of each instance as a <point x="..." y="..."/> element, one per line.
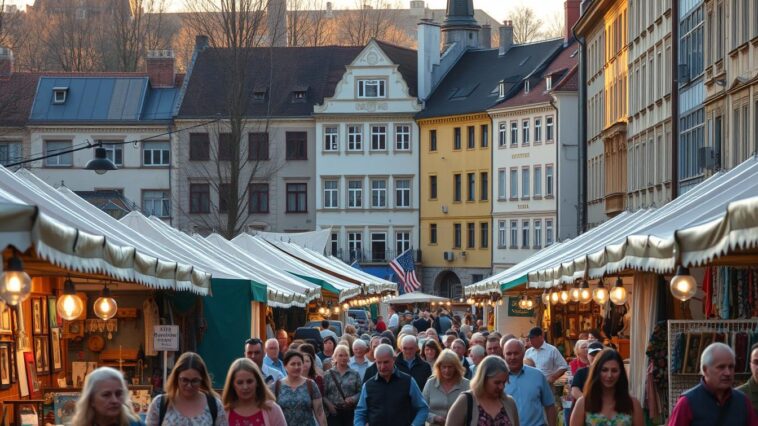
<point x="457" y="414"/>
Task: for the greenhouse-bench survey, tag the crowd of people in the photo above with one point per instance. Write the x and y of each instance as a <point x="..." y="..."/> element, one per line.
<point x="477" y="378"/>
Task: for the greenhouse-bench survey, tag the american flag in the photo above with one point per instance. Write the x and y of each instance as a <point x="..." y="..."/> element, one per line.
<point x="406" y="271"/>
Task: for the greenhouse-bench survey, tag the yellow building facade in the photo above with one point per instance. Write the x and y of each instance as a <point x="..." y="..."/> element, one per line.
<point x="455" y="201"/>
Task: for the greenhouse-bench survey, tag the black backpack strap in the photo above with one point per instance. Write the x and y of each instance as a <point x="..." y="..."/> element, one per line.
<point x="309" y="384"/>
<point x="469" y="407"/>
<point x="277" y="387"/>
<point x="162" y="408"/>
<point x="212" y="406"/>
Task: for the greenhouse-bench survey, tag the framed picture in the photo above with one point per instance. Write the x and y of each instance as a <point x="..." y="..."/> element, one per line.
<point x="45" y="316"/>
<point x="6" y="323"/>
<point x="55" y="349"/>
<point x="5" y="365"/>
<point x="585" y="307"/>
<point x="573" y="308"/>
<point x="73" y="329"/>
<point x="14" y="368"/>
<point x="55" y="320"/>
<point x="31" y="375"/>
<point x="573" y="322"/>
<point x="37" y="315"/>
<point x="41" y="354"/>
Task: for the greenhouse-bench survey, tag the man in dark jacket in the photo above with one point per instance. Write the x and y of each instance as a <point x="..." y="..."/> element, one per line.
<point x="423" y="322"/>
<point x="408" y="362"/>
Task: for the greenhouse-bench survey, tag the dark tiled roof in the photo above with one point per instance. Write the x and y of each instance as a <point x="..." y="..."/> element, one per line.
<point x="407" y="61"/>
<point x="16" y="97"/>
<point x="317" y="69"/>
<point x="569" y="83"/>
<point x="472" y="85"/>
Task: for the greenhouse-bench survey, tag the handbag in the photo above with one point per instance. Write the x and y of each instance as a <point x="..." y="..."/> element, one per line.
<point x="345" y="405"/>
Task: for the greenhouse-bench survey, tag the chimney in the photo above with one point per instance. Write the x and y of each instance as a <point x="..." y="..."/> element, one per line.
<point x="6" y="62"/>
<point x="506" y="37"/>
<point x="428" y="55"/>
<point x="160" y="65"/>
<point x="329" y="10"/>
<point x="201" y="42"/>
<point x="485" y="37"/>
<point x="571" y="16"/>
<point x="277" y="22"/>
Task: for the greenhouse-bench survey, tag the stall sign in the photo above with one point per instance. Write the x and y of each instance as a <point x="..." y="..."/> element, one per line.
<point x="514" y="310"/>
<point x="166" y="337"/>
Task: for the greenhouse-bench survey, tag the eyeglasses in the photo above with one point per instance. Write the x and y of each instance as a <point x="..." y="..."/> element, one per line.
<point x="190" y="382"/>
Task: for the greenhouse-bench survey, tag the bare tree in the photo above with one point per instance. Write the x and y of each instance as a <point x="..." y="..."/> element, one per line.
<point x="370" y="19"/>
<point x="132" y="32"/>
<point x="555" y="26"/>
<point x="527" y="26"/>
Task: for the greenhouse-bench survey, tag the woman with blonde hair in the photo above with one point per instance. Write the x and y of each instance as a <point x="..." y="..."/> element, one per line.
<point x="343" y="388"/>
<point x="105" y="400"/>
<point x="444" y="386"/>
<point x="189" y="397"/>
<point x="486" y="404"/>
<point x="247" y="400"/>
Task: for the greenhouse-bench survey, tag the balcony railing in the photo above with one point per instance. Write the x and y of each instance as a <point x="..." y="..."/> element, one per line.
<point x="372" y="256"/>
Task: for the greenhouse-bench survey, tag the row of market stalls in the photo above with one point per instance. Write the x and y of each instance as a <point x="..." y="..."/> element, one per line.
<point x="627" y="279"/>
<point x="219" y="292"/>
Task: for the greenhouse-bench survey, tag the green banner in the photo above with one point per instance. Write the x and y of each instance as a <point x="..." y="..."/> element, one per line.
<point x="514" y="310"/>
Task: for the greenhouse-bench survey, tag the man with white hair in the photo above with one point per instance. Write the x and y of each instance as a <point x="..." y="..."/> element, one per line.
<point x="529" y="387"/>
<point x="358" y="361"/>
<point x="408" y="362"/>
<point x="477" y="354"/>
<point x="271" y="360"/>
<point x="390" y="396"/>
<point x="713" y="401"/>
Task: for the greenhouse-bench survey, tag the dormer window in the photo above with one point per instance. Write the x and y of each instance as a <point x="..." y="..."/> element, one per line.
<point x="371" y="88"/>
<point x="259" y="95"/>
<point x="549" y="83"/>
<point x="299" y="94"/>
<point x="501" y="89"/>
<point x="59" y="95"/>
<point x="526" y="87"/>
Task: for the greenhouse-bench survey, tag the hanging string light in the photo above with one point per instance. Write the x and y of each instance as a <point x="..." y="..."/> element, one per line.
<point x="545" y="297"/>
<point x="683" y="285"/>
<point x="16" y="284"/>
<point x="618" y="294"/>
<point x="69" y="305"/>
<point x="574" y="293"/>
<point x="564" y="297"/>
<point x="555" y="296"/>
<point x="105" y="306"/>
<point x="600" y="293"/>
<point x="585" y="294"/>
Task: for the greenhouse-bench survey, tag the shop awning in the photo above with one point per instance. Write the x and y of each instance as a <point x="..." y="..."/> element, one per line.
<point x="715" y="218"/>
<point x="71" y="235"/>
<point x="415" y="297"/>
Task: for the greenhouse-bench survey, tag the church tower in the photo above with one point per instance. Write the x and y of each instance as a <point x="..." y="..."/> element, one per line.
<point x="459" y="25"/>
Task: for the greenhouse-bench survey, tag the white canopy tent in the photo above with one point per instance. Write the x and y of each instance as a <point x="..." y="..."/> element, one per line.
<point x="313" y="240"/>
<point x="415" y="297"/>
<point x="74" y="237"/>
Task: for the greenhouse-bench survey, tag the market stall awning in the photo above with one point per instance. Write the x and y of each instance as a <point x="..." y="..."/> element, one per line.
<point x="312" y="240"/>
<point x="415" y="297"/>
<point x="70" y="235"/>
<point x="715" y="218"/>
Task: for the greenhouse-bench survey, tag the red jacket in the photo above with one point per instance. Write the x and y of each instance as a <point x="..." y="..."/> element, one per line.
<point x="380" y="326"/>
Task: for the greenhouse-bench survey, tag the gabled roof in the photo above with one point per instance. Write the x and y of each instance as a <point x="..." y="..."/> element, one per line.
<point x="407" y="62"/>
<point x="125" y="97"/>
<point x="16" y="96"/>
<point x="471" y="86"/>
<point x="314" y="70"/>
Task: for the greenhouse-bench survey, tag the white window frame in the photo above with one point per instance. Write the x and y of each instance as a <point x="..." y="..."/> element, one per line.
<point x="501" y="233"/>
<point x="12" y="151"/>
<point x="514" y="183"/>
<point x="514" y="133"/>
<point x="378" y="137"/>
<point x="355" y="244"/>
<point x="378" y="193"/>
<point x="549" y="237"/>
<point x="549" y="180"/>
<point x="403" y="137"/>
<point x="525" y="182"/>
<point x="160" y="148"/>
<point x="402" y="193"/>
<point x="549" y="128"/>
<point x="525" y="234"/>
<point x="331" y="138"/>
<point x="62" y="160"/>
<point x="537" y="233"/>
<point x="502" y="189"/>
<point x="402" y="242"/>
<point x="525" y="131"/>
<point x="537" y="189"/>
<point x="514" y="234"/>
<point x="376" y="85"/>
<point x="331" y="194"/>
<point x="502" y="134"/>
<point x="111" y="151"/>
<point x="160" y="198"/>
<point x="355" y="194"/>
<point x="538" y="130"/>
<point x="355" y="137"/>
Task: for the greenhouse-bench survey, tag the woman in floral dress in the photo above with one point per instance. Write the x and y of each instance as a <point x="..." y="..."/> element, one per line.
<point x="298" y="396"/>
<point x="247" y="400"/>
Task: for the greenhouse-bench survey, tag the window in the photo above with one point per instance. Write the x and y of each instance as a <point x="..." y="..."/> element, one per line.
<point x="224" y="195"/>
<point x="484" y="190"/>
<point x="457" y="235"/>
<point x="514" y="234"/>
<point x="379" y="193"/>
<point x="502" y="134"/>
<point x="525" y="132"/>
<point x="485" y="135"/>
<point x="537" y="233"/>
<point x="355" y="193"/>
<point x="10" y="152"/>
<point x="402" y="193"/>
<point x="432" y="233"/>
<point x="525" y="234"/>
<point x="471" y="233"/>
<point x="433" y="187"/>
<point x="471" y="137"/>
<point x="59" y="95"/>
<point x="537" y="130"/>
<point x="501" y="231"/>
<point x="331" y="138"/>
<point x="402" y="242"/>
<point x="297" y="148"/>
<point x="371" y="88"/>
<point x="354" y="138"/>
<point x="378" y="246"/>
<point x="257" y="148"/>
<point x="297" y="198"/>
<point x="378" y="138"/>
<point x="61" y="160"/>
<point x="403" y="137"/>
<point x="484" y="235"/>
<point x="537" y="181"/>
<point x="355" y="245"/>
<point x="549" y="232"/>
<point x="514" y="184"/>
<point x="457" y="138"/>
<point x="156" y="154"/>
<point x="514" y="133"/>
<point x="457" y="187"/>
<point x="432" y="140"/>
<point x="331" y="194"/>
<point x="259" y="95"/>
<point x="501" y="189"/>
<point x="525" y="182"/>
<point x="548" y="128"/>
<point x="549" y="83"/>
<point x="549" y="180"/>
<point x="258" y="198"/>
<point x="156" y="203"/>
<point x="225" y="147"/>
<point x="335" y="243"/>
<point x="471" y="180"/>
<point x="200" y="198"/>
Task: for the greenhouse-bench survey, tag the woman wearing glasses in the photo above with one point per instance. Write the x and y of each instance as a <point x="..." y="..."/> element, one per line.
<point x="189" y="399"/>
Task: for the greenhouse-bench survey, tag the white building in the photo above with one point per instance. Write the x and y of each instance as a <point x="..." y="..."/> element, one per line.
<point x="367" y="157"/>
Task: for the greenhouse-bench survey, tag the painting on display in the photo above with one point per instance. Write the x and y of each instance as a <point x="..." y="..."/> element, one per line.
<point x="55" y="320"/>
<point x="6" y="320"/>
<point x="41" y="354"/>
<point x="39" y="316"/>
<point x="31" y="375"/>
<point x="55" y="349"/>
<point x="6" y="365"/>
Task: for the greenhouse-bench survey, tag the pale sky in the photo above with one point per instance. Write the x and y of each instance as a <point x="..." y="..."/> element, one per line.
<point x="498" y="9"/>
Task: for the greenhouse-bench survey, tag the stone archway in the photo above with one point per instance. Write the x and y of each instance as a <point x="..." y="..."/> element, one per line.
<point x="447" y="284"/>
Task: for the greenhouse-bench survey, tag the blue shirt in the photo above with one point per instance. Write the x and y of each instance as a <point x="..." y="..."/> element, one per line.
<point x="417" y="402"/>
<point x="277" y="365"/>
<point x="360" y="368"/>
<point x="532" y="393"/>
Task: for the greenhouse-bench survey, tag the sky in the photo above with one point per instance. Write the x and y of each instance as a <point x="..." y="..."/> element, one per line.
<point x="498" y="9"/>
